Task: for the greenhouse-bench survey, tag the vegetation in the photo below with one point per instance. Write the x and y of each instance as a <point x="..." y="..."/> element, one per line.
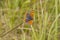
<point x="46" y="23"/>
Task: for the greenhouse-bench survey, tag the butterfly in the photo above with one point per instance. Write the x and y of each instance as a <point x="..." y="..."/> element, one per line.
<point x="29" y="17"/>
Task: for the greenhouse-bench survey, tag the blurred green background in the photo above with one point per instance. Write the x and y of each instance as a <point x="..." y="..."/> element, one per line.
<point x="46" y="23"/>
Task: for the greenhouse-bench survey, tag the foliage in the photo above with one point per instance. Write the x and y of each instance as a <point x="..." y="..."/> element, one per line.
<point x="46" y="19"/>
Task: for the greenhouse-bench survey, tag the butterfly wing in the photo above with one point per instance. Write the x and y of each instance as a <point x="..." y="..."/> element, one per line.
<point x="28" y="17"/>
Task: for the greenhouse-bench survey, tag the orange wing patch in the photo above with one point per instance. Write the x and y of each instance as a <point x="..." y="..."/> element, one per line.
<point x="32" y="13"/>
<point x="30" y="22"/>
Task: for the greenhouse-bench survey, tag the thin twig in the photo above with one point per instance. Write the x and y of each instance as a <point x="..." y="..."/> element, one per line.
<point x="10" y="30"/>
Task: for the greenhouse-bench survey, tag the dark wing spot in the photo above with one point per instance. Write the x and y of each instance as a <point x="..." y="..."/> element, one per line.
<point x="28" y="18"/>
